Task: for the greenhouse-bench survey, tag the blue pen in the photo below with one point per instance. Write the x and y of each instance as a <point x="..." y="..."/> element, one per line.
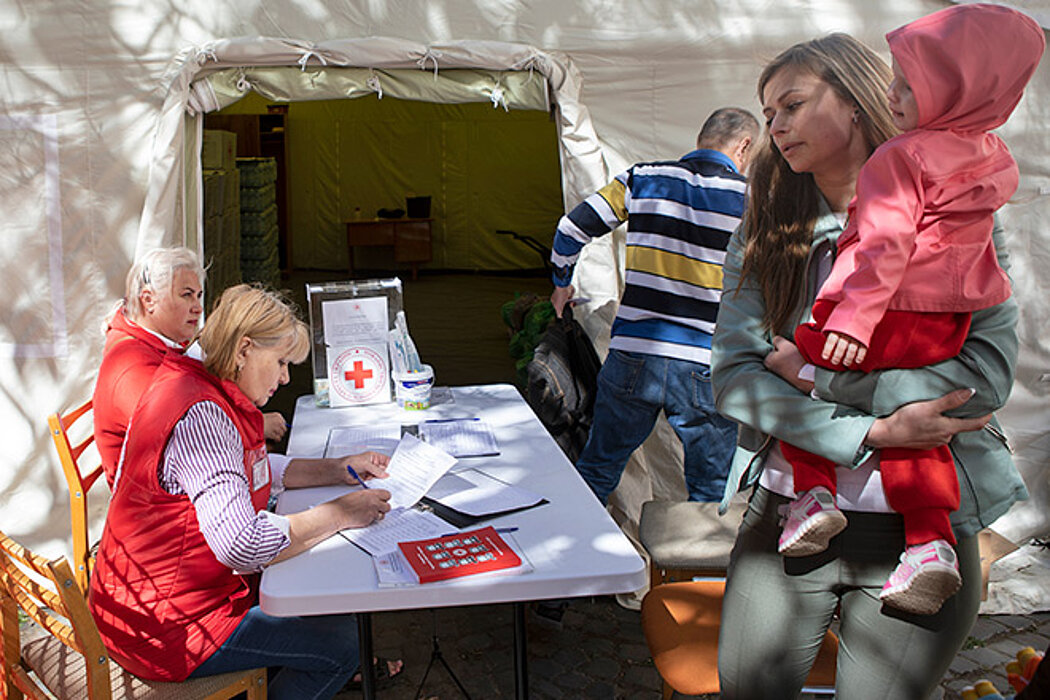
<point x="356" y="476"/>
<point x="500" y="530"/>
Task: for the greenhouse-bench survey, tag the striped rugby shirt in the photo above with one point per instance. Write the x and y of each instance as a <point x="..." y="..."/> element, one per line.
<point x="680" y="215"/>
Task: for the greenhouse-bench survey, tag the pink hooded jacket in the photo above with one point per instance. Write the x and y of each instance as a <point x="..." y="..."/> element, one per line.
<point x="919" y="232"/>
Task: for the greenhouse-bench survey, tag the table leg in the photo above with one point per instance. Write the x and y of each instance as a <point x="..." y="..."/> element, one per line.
<point x="364" y="641"/>
<point x="521" y="671"/>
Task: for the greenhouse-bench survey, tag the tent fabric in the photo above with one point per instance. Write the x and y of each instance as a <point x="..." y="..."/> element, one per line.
<point x="100" y="125"/>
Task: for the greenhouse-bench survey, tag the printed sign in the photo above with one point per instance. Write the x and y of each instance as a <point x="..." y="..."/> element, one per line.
<point x="355" y="332"/>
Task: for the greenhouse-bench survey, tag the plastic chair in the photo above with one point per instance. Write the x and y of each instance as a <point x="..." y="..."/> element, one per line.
<point x="79" y="480"/>
<point x="680" y="616"/>
<point x="70" y="660"/>
<point x="681" y="620"/>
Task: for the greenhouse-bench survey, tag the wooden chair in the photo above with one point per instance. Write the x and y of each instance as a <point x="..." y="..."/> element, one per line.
<point x="688" y="540"/>
<point x="69" y="660"/>
<point x="79" y="480"/>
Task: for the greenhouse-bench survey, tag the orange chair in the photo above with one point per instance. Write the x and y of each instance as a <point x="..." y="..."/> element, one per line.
<point x="680" y="616"/>
<point x="681" y="620"/>
<point x="68" y="658"/>
<point x="79" y="480"/>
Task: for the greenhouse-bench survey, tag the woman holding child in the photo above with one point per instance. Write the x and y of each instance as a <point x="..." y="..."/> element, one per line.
<point x="826" y="111"/>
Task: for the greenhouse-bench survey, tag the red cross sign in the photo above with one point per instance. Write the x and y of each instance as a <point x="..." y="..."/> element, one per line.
<point x="358" y="374"/>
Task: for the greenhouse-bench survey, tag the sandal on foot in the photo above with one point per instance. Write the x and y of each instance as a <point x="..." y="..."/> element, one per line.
<point x="384" y="677"/>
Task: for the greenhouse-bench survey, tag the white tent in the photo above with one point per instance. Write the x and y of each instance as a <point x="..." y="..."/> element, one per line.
<point x="100" y="127"/>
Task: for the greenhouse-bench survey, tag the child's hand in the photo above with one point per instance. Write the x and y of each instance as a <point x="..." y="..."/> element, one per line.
<point x="843" y="349"/>
<point x="786" y="361"/>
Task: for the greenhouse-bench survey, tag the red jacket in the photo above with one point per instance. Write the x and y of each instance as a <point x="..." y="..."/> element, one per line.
<point x="919" y="233"/>
<point x="162" y="601"/>
<point x="131" y="357"/>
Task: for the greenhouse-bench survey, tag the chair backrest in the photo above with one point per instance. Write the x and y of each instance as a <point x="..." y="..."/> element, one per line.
<point x="79" y="480"/>
<point x="47" y="593"/>
<point x="681" y="623"/>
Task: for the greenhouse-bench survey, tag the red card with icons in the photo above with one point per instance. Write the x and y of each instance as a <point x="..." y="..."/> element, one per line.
<point x="462" y="554"/>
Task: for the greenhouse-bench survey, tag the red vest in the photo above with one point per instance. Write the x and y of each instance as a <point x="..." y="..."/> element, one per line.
<point x="131" y="357"/>
<point x="162" y="601"/>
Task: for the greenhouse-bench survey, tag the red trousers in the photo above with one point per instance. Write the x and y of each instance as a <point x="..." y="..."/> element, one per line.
<point x="921" y="485"/>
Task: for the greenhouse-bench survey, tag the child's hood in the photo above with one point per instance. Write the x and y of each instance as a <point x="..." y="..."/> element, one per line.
<point x="967" y="65"/>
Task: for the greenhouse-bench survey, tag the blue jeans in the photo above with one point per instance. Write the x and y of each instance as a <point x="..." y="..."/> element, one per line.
<point x="316" y="654"/>
<point x="632" y="389"/>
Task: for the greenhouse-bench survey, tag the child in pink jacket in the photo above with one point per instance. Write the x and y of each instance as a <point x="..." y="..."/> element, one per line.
<point x="915" y="260"/>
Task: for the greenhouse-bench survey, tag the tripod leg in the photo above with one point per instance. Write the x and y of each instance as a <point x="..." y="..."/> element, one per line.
<point x="451" y="674"/>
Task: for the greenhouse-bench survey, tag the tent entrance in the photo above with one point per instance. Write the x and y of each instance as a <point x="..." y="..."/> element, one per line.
<point x="481" y="144"/>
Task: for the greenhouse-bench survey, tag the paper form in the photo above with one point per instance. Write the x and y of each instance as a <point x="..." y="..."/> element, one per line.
<point x="353" y="440"/>
<point x="473" y="492"/>
<point x="400" y="525"/>
<point x="460" y="437"/>
<point x="414" y="467"/>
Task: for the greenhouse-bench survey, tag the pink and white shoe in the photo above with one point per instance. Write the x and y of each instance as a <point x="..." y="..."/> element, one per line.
<point x="928" y="574"/>
<point x="812" y="520"/>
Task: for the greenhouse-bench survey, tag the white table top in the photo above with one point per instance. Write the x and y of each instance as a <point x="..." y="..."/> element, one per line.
<point x="574" y="546"/>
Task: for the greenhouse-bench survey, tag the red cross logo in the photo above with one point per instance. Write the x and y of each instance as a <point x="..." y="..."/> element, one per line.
<point x="358" y="374"/>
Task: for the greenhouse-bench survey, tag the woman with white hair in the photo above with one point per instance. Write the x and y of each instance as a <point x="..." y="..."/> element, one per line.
<point x="160" y="313"/>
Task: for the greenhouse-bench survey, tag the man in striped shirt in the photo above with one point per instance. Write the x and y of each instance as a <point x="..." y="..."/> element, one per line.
<point x="679" y="217"/>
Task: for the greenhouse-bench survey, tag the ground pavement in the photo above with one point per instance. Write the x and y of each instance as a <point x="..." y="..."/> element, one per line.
<point x="599" y="652"/>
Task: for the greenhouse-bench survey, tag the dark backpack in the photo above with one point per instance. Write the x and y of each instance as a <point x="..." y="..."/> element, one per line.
<point x="562" y="383"/>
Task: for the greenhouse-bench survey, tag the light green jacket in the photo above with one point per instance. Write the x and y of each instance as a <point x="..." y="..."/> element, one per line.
<point x="765" y="405"/>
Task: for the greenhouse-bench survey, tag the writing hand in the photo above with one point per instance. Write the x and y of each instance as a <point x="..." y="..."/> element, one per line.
<point x="362" y="508"/>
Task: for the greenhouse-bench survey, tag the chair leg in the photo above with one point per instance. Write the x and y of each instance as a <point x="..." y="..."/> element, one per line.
<point x="257" y="687"/>
<point x="668" y="691"/>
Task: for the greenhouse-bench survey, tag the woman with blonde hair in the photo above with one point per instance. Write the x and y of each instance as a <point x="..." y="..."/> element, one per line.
<point x="160" y="313"/>
<point x="175" y="587"/>
<point x="826" y="111"/>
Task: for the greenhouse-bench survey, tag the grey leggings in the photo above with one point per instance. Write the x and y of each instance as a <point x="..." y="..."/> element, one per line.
<point x="776" y="611"/>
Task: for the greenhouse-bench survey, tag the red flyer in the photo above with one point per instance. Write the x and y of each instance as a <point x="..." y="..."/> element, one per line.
<point x="462" y="554"/>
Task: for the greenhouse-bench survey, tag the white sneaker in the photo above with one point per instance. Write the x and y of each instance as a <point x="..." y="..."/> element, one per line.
<point x="927" y="575"/>
<point x="812" y="520"/>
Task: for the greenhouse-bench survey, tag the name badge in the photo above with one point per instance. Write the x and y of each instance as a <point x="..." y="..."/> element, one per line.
<point x="260" y="473"/>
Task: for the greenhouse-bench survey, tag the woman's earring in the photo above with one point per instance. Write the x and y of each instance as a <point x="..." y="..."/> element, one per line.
<point x="856" y="116"/>
<point x="237" y="372"/>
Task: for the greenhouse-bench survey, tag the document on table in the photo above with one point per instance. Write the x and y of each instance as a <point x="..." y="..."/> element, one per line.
<point x="460" y="437"/>
<point x="414" y="467"/>
<point x="474" y="492"/>
<point x="399" y="525"/>
<point x="353" y="440"/>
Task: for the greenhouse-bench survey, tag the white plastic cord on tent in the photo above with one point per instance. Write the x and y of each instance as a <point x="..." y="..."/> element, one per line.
<point x="306" y="57"/>
<point x="204" y="54"/>
<point x="243" y="84"/>
<point x="432" y="55"/>
<point x="374" y="84"/>
<point x="529" y="63"/>
<point x="499" y="99"/>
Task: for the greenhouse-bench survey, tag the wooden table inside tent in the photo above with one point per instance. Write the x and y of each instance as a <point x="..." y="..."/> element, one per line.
<point x="409" y="238"/>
